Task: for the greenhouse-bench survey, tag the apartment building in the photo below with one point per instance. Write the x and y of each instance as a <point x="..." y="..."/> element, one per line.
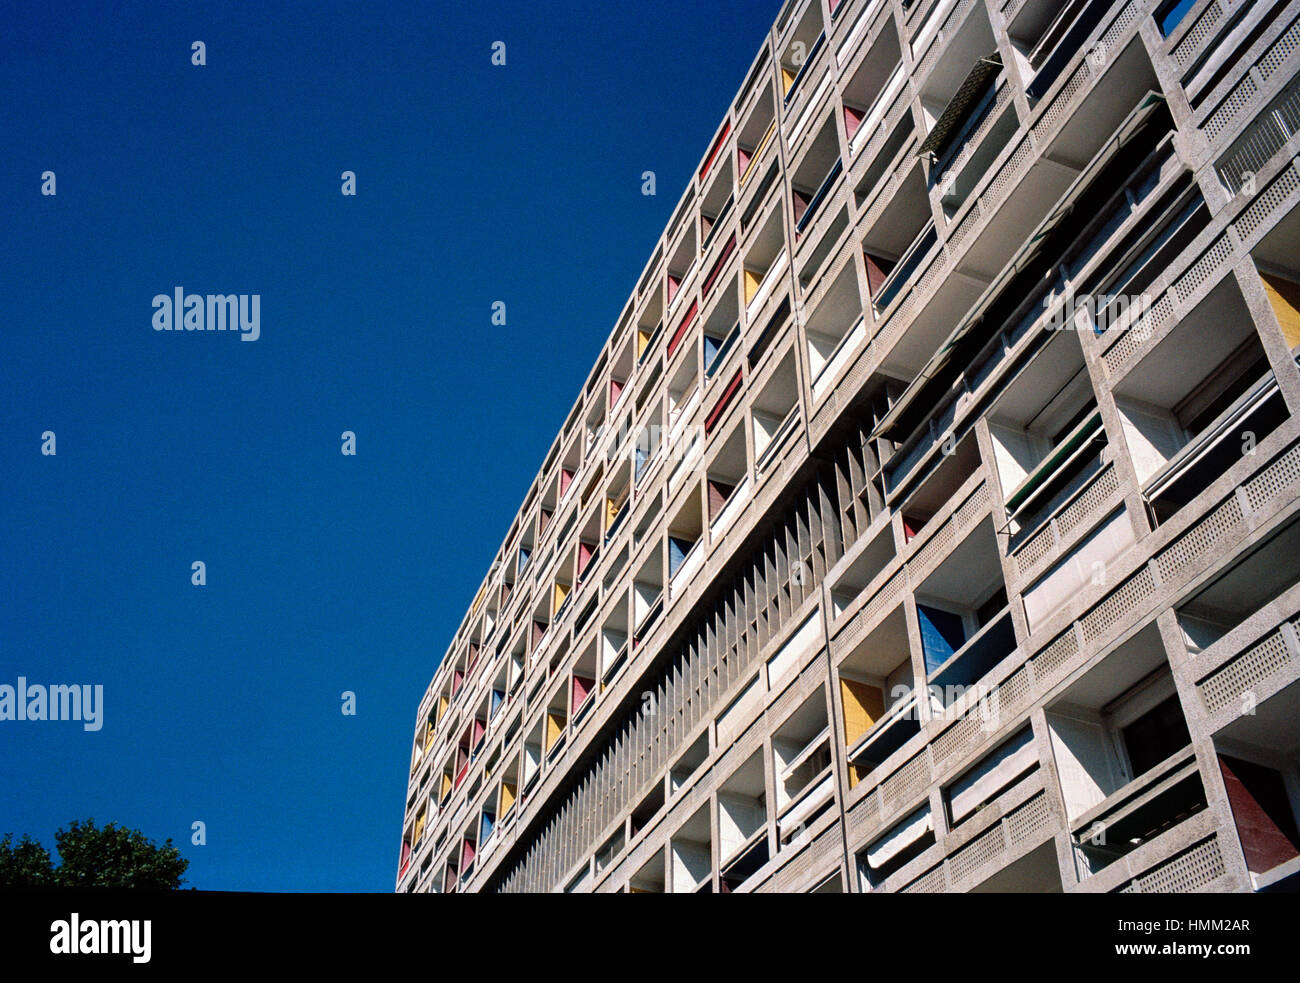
<point x="930" y="520"/>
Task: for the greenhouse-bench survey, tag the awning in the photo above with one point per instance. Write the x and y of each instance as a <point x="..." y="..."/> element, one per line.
<point x="935" y="366"/>
<point x="899" y="838"/>
<point x="959" y="106"/>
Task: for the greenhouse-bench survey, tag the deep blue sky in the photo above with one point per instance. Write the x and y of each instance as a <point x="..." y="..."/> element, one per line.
<point x="325" y="573"/>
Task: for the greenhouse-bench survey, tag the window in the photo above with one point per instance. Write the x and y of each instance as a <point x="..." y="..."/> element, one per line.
<point x="801" y="758"/>
<point x="685" y="767"/>
<point x="942" y="634"/>
<point x="801" y="52"/>
<point x="835" y="330"/>
<point x="815" y="176"/>
<point x="754" y="136"/>
<point x="1171" y="13"/>
<point x="716" y="348"/>
<point x="877" y="693"/>
<point x="764" y="262"/>
<point x="684" y="533"/>
<point x="872" y="89"/>
<point x="1062" y="41"/>
<point x="726" y="480"/>
<point x="1155" y="735"/>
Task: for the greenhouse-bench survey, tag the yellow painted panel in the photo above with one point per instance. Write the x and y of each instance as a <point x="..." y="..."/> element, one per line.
<point x="1285" y="298"/>
<point x="611" y="512"/>
<point x="787" y="79"/>
<point x="446" y="784"/>
<point x="561" y="592"/>
<point x="642" y="339"/>
<point x="507" y="798"/>
<point x="864" y="704"/>
<point x="554" y="728"/>
<point x="752" y="281"/>
<point x="419" y="827"/>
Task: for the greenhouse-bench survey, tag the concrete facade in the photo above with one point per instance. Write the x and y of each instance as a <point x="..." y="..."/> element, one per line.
<point x="930" y="520"/>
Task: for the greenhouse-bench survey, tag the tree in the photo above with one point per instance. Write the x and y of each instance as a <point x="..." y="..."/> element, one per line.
<point x="89" y="856"/>
<point x="25" y="865"/>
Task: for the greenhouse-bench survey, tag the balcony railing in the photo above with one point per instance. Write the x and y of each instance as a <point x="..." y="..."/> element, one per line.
<point x="1144" y="808"/>
<point x="906" y="266"/>
<point x="819" y="196"/>
<point x="1064" y="39"/>
<point x="878" y="111"/>
<point x="808" y="62"/>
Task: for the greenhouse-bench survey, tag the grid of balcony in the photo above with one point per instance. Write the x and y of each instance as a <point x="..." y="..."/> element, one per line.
<point x="929" y="519"/>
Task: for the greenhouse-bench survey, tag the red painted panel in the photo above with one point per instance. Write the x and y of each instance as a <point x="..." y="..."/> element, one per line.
<point x="581" y="687"/>
<point x="1263" y="842"/>
<point x="877" y="270"/>
<point x="800" y="202"/>
<point x="680" y="333"/>
<point x="719" y="492"/>
<point x="717" y="145"/>
<point x="727" y="250"/>
<point x="852" y="120"/>
<point x="720" y="406"/>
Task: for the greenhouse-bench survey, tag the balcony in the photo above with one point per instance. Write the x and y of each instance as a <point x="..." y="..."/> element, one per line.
<point x="835" y="331"/>
<point x="878" y="698"/>
<point x="801" y="750"/>
<point x="1127" y="770"/>
<point x="766" y="260"/>
<point x="890" y="276"/>
<point x="775" y="412"/>
<point x="1061" y="42"/>
<point x="998" y="329"/>
<point x="1190" y="402"/>
<point x="742" y="823"/>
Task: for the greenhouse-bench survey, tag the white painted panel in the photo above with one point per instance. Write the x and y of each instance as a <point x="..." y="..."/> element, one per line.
<point x="1083" y="762"/>
<point x="1152" y="435"/>
<point x="900" y="838"/>
<point x="792" y="653"/>
<point x="1076" y="571"/>
<point x="993" y="774"/>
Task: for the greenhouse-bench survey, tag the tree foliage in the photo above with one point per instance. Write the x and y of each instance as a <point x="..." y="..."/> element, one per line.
<point x="91" y="856"/>
<point x="25" y="863"/>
